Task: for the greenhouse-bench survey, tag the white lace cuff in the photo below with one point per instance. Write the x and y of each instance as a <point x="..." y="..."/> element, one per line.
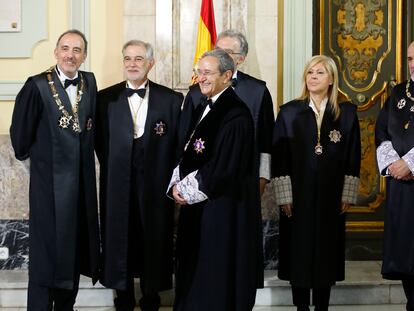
<point x="386" y="155"/>
<point x="283" y="190"/>
<point x="264" y="170"/>
<point x="409" y="159"/>
<point x="175" y="178"/>
<point x="188" y="188"/>
<point x="350" y="191"/>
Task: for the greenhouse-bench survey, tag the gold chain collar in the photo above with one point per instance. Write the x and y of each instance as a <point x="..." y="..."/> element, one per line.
<point x="66" y="118"/>
<point x="407" y="92"/>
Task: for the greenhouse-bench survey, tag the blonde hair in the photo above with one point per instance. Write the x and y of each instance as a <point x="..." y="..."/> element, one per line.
<point x="332" y="70"/>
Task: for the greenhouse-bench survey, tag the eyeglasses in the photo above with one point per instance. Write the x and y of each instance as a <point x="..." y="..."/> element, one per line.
<point x="136" y="59"/>
<point x="207" y="74"/>
<point x="228" y="51"/>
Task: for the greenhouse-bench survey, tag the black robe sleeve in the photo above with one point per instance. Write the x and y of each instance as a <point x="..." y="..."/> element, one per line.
<point x="281" y="157"/>
<point x="266" y="123"/>
<point x="381" y="132"/>
<point x="354" y="149"/>
<point x="26" y="115"/>
<point x="232" y="159"/>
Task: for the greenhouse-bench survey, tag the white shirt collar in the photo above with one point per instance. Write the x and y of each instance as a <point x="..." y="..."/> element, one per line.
<point x="322" y="107"/>
<point x="234" y="74"/>
<point x="62" y="76"/>
<point x="142" y="86"/>
<point x="214" y="98"/>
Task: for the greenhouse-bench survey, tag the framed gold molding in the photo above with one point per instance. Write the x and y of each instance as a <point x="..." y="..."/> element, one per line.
<point x="364" y="226"/>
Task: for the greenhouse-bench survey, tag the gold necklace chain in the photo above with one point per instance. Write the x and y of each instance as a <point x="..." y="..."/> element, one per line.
<point x="66" y="117"/>
<point x="407" y="92"/>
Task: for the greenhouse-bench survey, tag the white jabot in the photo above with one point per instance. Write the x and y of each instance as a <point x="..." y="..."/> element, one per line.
<point x="139" y="109"/>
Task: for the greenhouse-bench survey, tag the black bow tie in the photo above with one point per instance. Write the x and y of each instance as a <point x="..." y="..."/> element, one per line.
<point x="140" y="92"/>
<point x="233" y="82"/>
<point x="71" y="82"/>
<point x="204" y="102"/>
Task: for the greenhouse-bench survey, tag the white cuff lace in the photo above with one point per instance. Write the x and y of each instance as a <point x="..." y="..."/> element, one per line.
<point x="175" y="178"/>
<point x="283" y="190"/>
<point x="350" y="190"/>
<point x="265" y="165"/>
<point x="386" y="155"/>
<point x="188" y="188"/>
<point x="409" y="159"/>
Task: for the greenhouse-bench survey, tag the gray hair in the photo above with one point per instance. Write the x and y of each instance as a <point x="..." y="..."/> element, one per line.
<point x="231" y="33"/>
<point x="76" y="32"/>
<point x="149" y="50"/>
<point x="225" y="60"/>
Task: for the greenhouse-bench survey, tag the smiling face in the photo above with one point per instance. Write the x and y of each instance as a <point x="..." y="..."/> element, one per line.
<point x="70" y="54"/>
<point x="210" y="79"/>
<point x="318" y="80"/>
<point x="136" y="64"/>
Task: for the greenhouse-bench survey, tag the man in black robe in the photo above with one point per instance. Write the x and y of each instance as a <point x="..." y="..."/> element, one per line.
<point x="218" y="257"/>
<point x="253" y="92"/>
<point x="53" y="125"/>
<point x="394" y="137"/>
<point x="136" y="144"/>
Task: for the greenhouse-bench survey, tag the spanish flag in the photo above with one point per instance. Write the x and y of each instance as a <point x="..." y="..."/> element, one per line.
<point x="206" y="38"/>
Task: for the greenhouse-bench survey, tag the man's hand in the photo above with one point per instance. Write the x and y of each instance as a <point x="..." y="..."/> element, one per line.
<point x="177" y="196"/>
<point x="262" y="185"/>
<point x="400" y="170"/>
<point x="287" y="209"/>
<point x="345" y="207"/>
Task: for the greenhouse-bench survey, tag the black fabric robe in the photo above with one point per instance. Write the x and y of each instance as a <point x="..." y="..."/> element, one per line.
<point x="398" y="247"/>
<point x="311" y="253"/>
<point x="63" y="223"/>
<point x="219" y="262"/>
<point x="114" y="141"/>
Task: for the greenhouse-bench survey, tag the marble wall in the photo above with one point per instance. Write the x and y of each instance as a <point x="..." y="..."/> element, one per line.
<point x="14" y="189"/>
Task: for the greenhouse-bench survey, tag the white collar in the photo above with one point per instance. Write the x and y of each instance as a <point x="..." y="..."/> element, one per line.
<point x="324" y="102"/>
<point x="142" y="86"/>
<point x="234" y="74"/>
<point x="62" y="76"/>
<point x="214" y="98"/>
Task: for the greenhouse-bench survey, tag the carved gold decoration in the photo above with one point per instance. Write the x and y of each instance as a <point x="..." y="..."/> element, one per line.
<point x="361" y="36"/>
<point x="373" y="100"/>
<point x="368" y="173"/>
<point x="364" y="226"/>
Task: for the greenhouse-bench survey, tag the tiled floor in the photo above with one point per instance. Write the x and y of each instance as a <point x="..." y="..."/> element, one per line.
<point x="333" y="308"/>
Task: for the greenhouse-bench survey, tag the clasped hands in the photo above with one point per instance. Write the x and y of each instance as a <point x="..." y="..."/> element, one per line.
<point x="177" y="196"/>
<point x="400" y="170"/>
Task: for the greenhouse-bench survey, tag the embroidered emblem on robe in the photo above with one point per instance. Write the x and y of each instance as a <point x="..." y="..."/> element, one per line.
<point x="199" y="145"/>
<point x="160" y="128"/>
<point x="335" y="136"/>
<point x="64" y="121"/>
<point x="401" y="103"/>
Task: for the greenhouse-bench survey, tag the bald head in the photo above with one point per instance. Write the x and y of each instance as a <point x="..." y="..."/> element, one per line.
<point x="410" y="59"/>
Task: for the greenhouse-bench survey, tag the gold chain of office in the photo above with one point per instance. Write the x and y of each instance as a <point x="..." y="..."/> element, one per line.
<point x="66" y="118"/>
